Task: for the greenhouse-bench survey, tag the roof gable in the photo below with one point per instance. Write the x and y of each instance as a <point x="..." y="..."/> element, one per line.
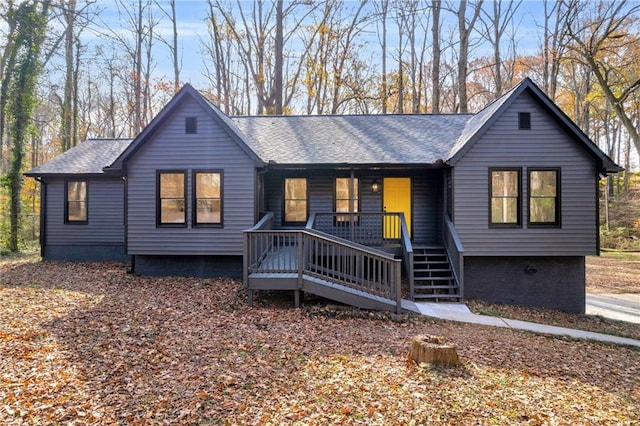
<point x="87" y="158"/>
<point x="478" y="125"/>
<point x="187" y="91"/>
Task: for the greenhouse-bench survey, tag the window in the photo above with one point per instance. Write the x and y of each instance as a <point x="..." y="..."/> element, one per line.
<point x="208" y="198"/>
<point x="191" y="125"/>
<point x="171" y="209"/>
<point x="504" y="187"/>
<point x="295" y="200"/>
<point x="343" y="200"/>
<point x="524" y="120"/>
<point x="76" y="202"/>
<point x="544" y="206"/>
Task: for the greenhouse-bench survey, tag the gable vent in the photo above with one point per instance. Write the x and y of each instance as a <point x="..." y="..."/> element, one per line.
<point x="524" y="120"/>
<point x="191" y="125"/>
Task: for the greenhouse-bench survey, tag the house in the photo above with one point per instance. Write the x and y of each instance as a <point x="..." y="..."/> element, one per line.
<point x="500" y="206"/>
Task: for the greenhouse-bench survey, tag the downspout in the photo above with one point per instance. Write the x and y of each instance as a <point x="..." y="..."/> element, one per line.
<point x="43" y="216"/>
<point x="606" y="207"/>
<point x="125" y="218"/>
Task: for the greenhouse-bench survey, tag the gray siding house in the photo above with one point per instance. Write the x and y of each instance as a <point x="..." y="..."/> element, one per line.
<point x="501" y="205"/>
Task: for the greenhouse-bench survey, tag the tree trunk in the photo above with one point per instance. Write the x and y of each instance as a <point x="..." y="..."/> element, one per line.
<point x="435" y="70"/>
<point x="31" y="24"/>
<point x="384" y="5"/>
<point x="174" y="50"/>
<point x="279" y="60"/>
<point x="433" y="350"/>
<point x="464" y="31"/>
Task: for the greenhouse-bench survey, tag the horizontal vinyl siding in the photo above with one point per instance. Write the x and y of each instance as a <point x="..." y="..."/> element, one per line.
<point x="425" y="185"/>
<point x="427" y="207"/>
<point x="545" y="145"/>
<point x="105" y="224"/>
<point x="170" y="148"/>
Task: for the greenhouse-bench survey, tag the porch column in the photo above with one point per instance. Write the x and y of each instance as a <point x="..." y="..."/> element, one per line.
<point x="352" y="203"/>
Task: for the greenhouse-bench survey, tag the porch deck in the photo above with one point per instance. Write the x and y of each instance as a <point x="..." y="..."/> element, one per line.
<point x="330" y="266"/>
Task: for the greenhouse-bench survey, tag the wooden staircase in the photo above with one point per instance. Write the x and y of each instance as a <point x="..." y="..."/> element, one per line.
<point x="432" y="275"/>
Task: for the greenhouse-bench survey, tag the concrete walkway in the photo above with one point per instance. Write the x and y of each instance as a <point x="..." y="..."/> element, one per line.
<point x="460" y="312"/>
<point x="622" y="307"/>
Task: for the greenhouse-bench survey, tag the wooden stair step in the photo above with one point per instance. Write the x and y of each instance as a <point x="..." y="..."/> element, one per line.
<point x="430" y="262"/>
<point x="434" y="287"/>
<point x="432" y="278"/>
<point x="433" y="270"/>
<point x="436" y="296"/>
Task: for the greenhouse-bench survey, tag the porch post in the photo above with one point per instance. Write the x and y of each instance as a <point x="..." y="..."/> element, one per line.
<point x="352" y="205"/>
<point x="245" y="266"/>
<point x="300" y="237"/>
<point x="397" y="279"/>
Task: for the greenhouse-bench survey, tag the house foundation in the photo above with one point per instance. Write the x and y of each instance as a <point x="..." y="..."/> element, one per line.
<point x="549" y="282"/>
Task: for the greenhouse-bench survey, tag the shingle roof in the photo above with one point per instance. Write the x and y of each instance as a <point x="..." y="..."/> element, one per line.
<point x="324" y="140"/>
<point x="89" y="157"/>
<point x="352" y="139"/>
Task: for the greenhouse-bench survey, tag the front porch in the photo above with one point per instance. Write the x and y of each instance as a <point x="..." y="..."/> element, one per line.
<point x="355" y="258"/>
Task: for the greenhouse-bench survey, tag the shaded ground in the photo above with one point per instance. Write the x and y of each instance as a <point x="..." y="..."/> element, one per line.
<point x="87" y="343"/>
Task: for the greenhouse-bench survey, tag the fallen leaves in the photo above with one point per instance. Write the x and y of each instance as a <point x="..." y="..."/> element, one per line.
<point x="613" y="273"/>
<point x="89" y="344"/>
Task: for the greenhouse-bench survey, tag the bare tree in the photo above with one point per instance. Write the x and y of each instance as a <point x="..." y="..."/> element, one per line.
<point x="554" y="42"/>
<point x="600" y="32"/>
<point x="495" y="24"/>
<point x="465" y="27"/>
<point x="173" y="44"/>
<point x="382" y="8"/>
<point x="435" y="56"/>
<point x="332" y="66"/>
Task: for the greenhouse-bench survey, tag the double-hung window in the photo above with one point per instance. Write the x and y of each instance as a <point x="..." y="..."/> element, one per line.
<point x="172" y="206"/>
<point x="208" y="198"/>
<point x="295" y="200"/>
<point x="544" y="196"/>
<point x="75" y="206"/>
<point x="505" y="195"/>
<point x="343" y="198"/>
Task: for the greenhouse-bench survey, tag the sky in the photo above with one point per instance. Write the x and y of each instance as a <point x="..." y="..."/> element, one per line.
<point x="192" y="30"/>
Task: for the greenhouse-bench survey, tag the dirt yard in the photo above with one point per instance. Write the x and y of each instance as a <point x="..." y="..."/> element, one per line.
<point x="89" y="344"/>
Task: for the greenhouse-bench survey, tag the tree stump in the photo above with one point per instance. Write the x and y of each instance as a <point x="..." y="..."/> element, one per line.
<point x="433" y="350"/>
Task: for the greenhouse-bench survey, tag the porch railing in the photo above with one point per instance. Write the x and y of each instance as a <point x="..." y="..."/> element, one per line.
<point x="265" y="223"/>
<point x="366" y="228"/>
<point x="309" y="254"/>
<point x="455" y="252"/>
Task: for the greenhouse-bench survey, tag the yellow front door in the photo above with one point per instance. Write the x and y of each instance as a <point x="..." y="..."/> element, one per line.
<point x="396" y="198"/>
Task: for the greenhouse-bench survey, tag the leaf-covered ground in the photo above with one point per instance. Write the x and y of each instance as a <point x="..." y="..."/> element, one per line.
<point x="613" y="272"/>
<point x="89" y="344"/>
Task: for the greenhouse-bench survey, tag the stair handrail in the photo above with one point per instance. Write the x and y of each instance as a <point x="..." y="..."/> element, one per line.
<point x="265" y="223"/>
<point x="455" y="253"/>
<point x="407" y="251"/>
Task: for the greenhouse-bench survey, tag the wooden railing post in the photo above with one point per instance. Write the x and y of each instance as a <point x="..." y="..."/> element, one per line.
<point x="245" y="266"/>
<point x="461" y="275"/>
<point x="300" y="237"/>
<point x="398" y="287"/>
